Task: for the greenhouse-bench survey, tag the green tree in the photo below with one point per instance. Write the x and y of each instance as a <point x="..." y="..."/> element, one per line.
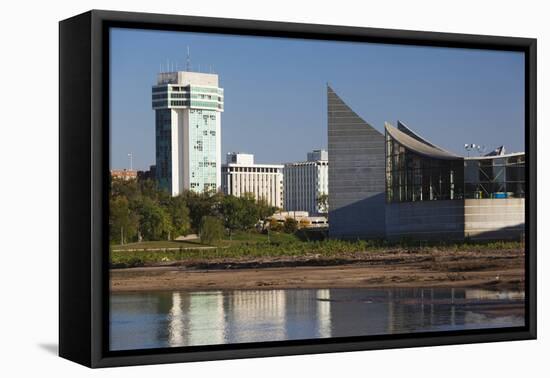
<point x="179" y="216"/>
<point x="124" y="188"/>
<point x="123" y="222"/>
<point x="290" y="226"/>
<point x="231" y="208"/>
<point x="250" y="210"/>
<point x="211" y="230"/>
<point x="265" y="210"/>
<point x="154" y="221"/>
<point x="239" y="213"/>
<point x="201" y="205"/>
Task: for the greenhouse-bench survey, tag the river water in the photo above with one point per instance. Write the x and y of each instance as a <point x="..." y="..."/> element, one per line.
<point x="185" y="318"/>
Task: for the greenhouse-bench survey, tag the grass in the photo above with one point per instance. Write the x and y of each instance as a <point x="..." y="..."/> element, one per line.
<point x="251" y="245"/>
<point x="161" y="244"/>
<point x="238" y="238"/>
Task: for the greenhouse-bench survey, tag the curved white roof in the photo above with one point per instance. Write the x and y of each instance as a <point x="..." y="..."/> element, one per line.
<point x="418" y="145"/>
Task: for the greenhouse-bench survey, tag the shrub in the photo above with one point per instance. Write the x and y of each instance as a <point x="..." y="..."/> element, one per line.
<point x="274" y="225"/>
<point x="290" y="226"/>
<point x="211" y="230"/>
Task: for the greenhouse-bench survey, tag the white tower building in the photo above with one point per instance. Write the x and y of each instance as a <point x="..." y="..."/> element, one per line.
<point x="305" y="181"/>
<point x="265" y="181"/>
<point x="188" y="107"/>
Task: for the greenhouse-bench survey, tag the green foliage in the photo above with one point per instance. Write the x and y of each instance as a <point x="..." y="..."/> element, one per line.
<point x="123" y="222"/>
<point x="239" y="213"/>
<point x="140" y="211"/>
<point x="201" y="205"/>
<point x="124" y="188"/>
<point x="211" y="230"/>
<point x="251" y="245"/>
<point x="264" y="209"/>
<point x="154" y="220"/>
<point x="290" y="226"/>
<point x="179" y="216"/>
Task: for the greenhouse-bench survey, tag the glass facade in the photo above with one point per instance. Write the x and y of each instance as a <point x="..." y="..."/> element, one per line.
<point x="202" y="150"/>
<point x="163" y="147"/>
<point x="414" y="177"/>
<point x="498" y="177"/>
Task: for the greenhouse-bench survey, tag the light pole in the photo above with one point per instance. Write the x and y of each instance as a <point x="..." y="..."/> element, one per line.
<point x="474" y="147"/>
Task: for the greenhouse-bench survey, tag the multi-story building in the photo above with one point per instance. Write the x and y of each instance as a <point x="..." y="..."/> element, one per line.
<point x="305" y="182"/>
<point x="124" y="174"/>
<point x="188" y="107"/>
<point x="265" y="181"/>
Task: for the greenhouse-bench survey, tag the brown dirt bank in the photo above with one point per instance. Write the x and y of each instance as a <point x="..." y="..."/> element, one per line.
<point x="400" y="268"/>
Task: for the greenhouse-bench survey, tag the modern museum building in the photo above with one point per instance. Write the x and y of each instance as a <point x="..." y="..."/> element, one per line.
<point x="398" y="185"/>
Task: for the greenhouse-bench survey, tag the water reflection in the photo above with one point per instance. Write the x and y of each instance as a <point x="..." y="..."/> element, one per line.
<point x="168" y="319"/>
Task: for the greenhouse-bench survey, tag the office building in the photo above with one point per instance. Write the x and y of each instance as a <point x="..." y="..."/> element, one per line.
<point x="305" y="182"/>
<point x="188" y="107"/>
<point x="241" y="175"/>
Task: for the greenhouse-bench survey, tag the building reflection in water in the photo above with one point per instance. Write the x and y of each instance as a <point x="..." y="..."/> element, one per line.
<point x="153" y="320"/>
<point x="196" y="318"/>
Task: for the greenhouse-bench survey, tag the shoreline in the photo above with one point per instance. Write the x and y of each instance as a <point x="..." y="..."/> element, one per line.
<point x="489" y="270"/>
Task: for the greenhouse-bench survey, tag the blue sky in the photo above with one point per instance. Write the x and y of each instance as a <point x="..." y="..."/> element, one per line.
<point x="275" y="91"/>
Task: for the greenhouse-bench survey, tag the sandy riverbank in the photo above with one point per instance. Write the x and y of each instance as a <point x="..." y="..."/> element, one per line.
<point x="431" y="268"/>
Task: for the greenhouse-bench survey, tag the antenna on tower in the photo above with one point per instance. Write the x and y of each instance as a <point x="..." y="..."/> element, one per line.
<point x="188" y="61"/>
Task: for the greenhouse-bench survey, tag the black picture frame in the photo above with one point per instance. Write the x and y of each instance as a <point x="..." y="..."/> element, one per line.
<point x="84" y="172"/>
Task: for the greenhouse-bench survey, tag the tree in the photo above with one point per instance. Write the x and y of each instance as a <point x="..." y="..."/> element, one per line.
<point x="201" y="205"/>
<point x="154" y="221"/>
<point x="231" y="209"/>
<point x="123" y="222"/>
<point x="249" y="211"/>
<point x="322" y="203"/>
<point x="124" y="188"/>
<point x="264" y="209"/>
<point x="239" y="213"/>
<point x="290" y="226"/>
<point x="211" y="230"/>
<point x="179" y="216"/>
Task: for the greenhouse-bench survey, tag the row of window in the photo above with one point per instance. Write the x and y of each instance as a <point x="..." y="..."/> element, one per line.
<point x="252" y="169"/>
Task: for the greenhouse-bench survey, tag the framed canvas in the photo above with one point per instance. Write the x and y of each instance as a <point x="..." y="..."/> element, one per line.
<point x="235" y="188"/>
